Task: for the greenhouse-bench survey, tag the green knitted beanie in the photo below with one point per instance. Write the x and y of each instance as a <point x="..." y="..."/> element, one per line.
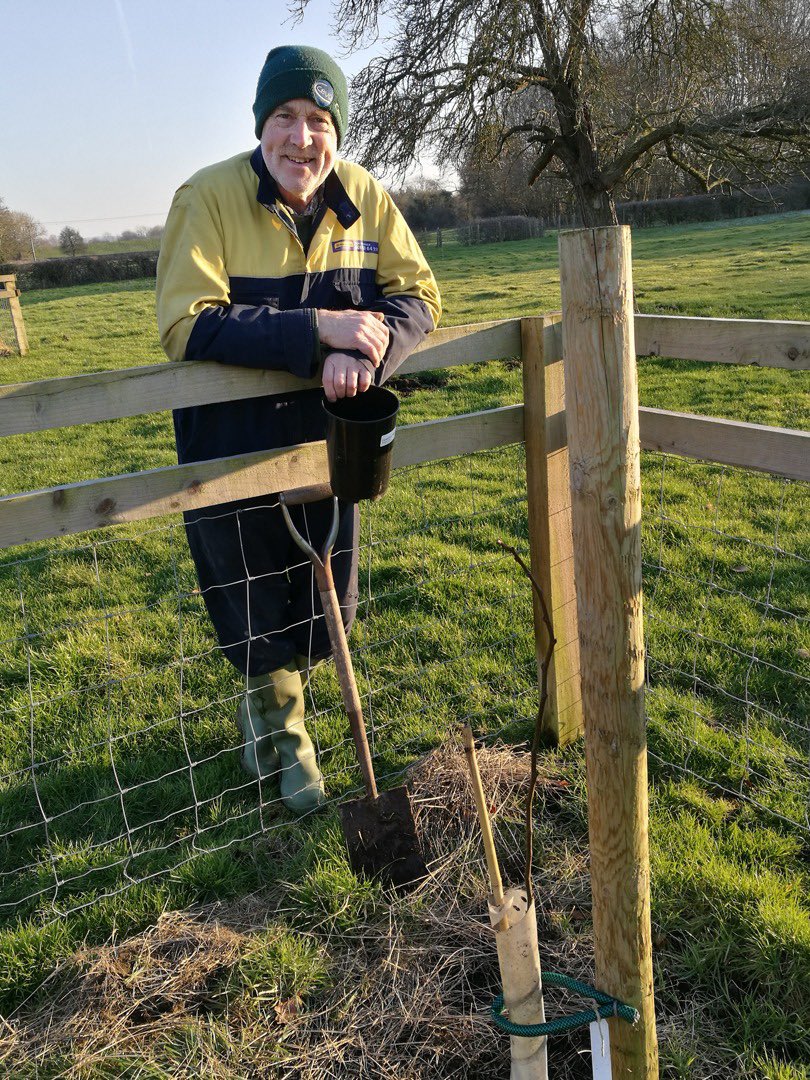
<point x="298" y="71"/>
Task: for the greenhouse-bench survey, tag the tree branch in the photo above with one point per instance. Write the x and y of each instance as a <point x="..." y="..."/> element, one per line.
<point x="682" y="164"/>
<point x="739" y="123"/>
<point x="543" y="161"/>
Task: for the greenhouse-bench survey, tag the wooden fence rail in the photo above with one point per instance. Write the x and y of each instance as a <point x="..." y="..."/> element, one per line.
<point x="766" y="343"/>
<point x="95" y="504"/>
<point x="779" y="451"/>
<point x="110" y="395"/>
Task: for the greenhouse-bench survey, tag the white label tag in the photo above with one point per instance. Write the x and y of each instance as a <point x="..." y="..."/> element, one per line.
<point x="600" y="1050"/>
<point x="388" y="437"/>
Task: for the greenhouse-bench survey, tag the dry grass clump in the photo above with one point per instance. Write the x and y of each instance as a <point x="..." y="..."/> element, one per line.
<point x="175" y="967"/>
<point x="121" y="997"/>
<point x="407" y="994"/>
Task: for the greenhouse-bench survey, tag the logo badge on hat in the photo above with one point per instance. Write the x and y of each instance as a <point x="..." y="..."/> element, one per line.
<point x="323" y="93"/>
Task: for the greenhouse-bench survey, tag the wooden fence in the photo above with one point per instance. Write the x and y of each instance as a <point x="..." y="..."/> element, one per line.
<point x="602" y="338"/>
<point x="9" y="301"/>
<point x="540" y="420"/>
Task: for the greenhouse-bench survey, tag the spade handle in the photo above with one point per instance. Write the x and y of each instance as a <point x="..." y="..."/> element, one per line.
<point x="345" y="671"/>
<point x="322" y="565"/>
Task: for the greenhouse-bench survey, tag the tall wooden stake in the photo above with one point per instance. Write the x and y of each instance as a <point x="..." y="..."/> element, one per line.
<point x="603" y="443"/>
<point x="10" y="293"/>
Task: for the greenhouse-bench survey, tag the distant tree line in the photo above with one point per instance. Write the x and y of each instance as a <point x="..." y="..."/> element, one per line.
<point x="492" y="191"/>
<point x="71" y="242"/>
<point x="493" y="201"/>
<point x="22" y="237"/>
<point x="153" y="232"/>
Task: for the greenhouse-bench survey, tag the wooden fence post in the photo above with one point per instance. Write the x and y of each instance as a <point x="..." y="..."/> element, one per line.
<point x="603" y="444"/>
<point x="10" y="293"/>
<point x="549" y="509"/>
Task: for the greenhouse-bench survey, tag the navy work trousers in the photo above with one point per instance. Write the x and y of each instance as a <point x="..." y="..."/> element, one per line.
<point x="259" y="587"/>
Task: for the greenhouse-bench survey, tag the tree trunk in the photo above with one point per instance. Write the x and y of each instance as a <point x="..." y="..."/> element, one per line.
<point x="579" y="155"/>
<point x="596" y="206"/>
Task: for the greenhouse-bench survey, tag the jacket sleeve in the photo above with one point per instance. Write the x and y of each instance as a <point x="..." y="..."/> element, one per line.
<point x="410" y="298"/>
<point x="196" y="319"/>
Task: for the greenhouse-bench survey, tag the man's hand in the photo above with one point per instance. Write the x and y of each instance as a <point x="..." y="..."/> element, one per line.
<point x="362" y="330"/>
<point x="346" y="376"/>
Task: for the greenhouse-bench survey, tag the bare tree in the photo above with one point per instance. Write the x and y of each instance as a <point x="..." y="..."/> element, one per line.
<point x="19" y="233"/>
<point x="591" y="90"/>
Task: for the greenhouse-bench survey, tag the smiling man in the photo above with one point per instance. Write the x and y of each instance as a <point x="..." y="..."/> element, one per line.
<point x="288" y="258"/>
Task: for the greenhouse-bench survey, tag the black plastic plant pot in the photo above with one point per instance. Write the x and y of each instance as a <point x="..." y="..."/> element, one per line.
<point x="359" y="440"/>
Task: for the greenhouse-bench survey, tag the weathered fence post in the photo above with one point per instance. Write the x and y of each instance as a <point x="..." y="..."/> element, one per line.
<point x="9" y="293"/>
<point x="549" y="509"/>
<point x="603" y="445"/>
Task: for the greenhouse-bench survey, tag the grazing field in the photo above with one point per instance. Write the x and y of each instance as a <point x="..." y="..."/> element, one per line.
<point x="103" y="247"/>
<point x="276" y="960"/>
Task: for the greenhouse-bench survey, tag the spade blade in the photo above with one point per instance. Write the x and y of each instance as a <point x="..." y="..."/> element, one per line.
<point x="381" y="838"/>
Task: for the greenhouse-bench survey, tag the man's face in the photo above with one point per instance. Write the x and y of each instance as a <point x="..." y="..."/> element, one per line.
<point x="299" y="146"/>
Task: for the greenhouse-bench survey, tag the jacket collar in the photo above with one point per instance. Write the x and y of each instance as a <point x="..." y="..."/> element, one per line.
<point x="334" y="193"/>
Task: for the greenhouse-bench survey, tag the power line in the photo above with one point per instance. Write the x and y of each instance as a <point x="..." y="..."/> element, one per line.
<point x="85" y="221"/>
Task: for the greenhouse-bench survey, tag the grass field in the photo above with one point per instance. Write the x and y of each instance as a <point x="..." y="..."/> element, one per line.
<point x="103" y="247"/>
<point x="113" y="683"/>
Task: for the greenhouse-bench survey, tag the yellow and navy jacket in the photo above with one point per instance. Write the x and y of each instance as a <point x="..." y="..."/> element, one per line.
<point x="235" y="285"/>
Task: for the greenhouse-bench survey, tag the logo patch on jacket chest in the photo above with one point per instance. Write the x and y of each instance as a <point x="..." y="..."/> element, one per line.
<point x="356" y="245"/>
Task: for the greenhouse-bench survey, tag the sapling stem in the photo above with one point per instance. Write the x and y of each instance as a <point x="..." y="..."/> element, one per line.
<point x="541" y="708"/>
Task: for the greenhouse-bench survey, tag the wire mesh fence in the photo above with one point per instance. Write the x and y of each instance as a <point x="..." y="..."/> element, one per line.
<point x="121" y="749"/>
<point x="727" y="611"/>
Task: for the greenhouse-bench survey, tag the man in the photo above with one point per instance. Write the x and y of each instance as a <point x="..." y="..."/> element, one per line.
<point x="292" y="259"/>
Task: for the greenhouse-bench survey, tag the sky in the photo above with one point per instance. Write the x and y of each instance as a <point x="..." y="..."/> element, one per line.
<point x="109" y="105"/>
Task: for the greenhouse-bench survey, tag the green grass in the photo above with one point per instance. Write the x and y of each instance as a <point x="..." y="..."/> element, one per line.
<point x="110" y="637"/>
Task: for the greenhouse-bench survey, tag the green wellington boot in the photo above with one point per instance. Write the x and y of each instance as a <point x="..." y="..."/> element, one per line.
<point x="271" y="718"/>
<point x="307" y="670"/>
<point x="259" y="757"/>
